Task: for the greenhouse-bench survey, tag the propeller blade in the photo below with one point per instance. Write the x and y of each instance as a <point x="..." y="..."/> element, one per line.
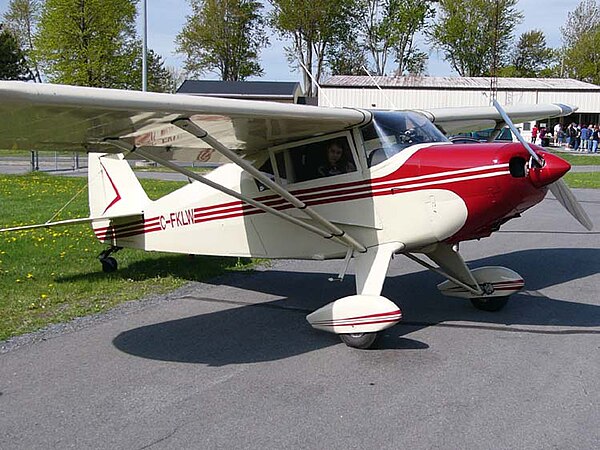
<point x="565" y="197"/>
<point x="514" y="130"/>
<point x="559" y="188"/>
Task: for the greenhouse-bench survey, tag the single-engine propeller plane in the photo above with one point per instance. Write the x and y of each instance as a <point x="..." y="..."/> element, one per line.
<point x="304" y="182"/>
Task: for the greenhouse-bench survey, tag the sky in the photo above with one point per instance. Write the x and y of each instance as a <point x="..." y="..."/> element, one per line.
<point x="167" y="17"/>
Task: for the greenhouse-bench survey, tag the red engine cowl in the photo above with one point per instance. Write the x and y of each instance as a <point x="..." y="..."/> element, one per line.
<point x="509" y="188"/>
<point x="553" y="169"/>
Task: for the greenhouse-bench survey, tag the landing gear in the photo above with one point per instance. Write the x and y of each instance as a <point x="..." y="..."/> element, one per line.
<point x="109" y="264"/>
<point x="359" y="340"/>
<point x="491" y="304"/>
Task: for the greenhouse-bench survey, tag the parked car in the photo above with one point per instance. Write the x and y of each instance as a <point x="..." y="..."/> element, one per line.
<point x="482" y="136"/>
<point x="463" y="140"/>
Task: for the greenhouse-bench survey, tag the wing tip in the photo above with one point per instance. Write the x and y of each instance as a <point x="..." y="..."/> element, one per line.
<point x="566" y="109"/>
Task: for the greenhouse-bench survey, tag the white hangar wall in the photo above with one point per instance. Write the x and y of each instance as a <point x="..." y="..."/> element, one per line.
<point x="420" y="99"/>
<point x="438" y="92"/>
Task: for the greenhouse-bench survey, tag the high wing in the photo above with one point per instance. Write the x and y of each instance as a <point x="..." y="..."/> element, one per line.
<point x="71" y="118"/>
<point x="458" y="120"/>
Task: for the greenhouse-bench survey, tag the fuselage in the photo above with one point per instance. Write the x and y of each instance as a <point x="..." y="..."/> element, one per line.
<point x="426" y="193"/>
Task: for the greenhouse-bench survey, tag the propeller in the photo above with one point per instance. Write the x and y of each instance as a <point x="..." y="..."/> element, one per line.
<point x="565" y="197"/>
<point x="559" y="188"/>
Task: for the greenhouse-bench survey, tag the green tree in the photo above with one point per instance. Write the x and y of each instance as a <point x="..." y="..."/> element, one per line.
<point x="532" y="58"/>
<point x="12" y="59"/>
<point x="415" y="63"/>
<point x="225" y="36"/>
<point x="21" y="19"/>
<point x="389" y="27"/>
<point x="314" y="28"/>
<point x="475" y="35"/>
<point x="582" y="60"/>
<point x="88" y="42"/>
<point x="581" y="20"/>
<point x="580" y="55"/>
<point x="347" y="58"/>
<point x="159" y="77"/>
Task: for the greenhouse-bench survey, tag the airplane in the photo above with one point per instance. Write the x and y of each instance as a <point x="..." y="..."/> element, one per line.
<point x="303" y="182"/>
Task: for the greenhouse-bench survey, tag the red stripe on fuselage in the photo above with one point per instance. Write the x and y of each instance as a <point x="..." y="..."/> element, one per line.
<point x="477" y="173"/>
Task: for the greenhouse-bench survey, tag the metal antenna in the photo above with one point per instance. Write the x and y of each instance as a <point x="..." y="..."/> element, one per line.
<point x="316" y="83"/>
<point x="379" y="87"/>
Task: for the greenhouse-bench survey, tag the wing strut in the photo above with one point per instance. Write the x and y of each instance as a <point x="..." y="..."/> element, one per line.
<point x="189" y="126"/>
<point x="195" y="176"/>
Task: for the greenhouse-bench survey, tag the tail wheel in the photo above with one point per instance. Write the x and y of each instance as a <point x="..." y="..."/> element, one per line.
<point x="491" y="304"/>
<point x="359" y="340"/>
<point x="109" y="264"/>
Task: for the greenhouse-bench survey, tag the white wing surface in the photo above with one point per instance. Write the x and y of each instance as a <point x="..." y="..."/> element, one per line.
<point x="71" y="118"/>
<point x="458" y="120"/>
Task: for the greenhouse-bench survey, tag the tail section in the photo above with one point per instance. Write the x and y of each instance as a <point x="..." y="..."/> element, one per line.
<point x="114" y="190"/>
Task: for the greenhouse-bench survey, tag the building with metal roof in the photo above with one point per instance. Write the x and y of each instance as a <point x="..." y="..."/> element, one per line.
<point x="279" y="91"/>
<point x="436" y="92"/>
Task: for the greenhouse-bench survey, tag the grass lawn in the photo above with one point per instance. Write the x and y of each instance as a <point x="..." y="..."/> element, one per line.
<point x="590" y="180"/>
<point x="580" y="160"/>
<point x="49" y="276"/>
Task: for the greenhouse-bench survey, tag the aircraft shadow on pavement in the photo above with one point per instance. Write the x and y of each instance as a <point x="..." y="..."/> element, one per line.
<point x="278" y="329"/>
<point x="191" y="268"/>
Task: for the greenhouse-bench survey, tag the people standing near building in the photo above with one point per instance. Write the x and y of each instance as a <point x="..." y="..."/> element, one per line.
<point x="534" y="133"/>
<point x="577" y="137"/>
<point x="571" y="135"/>
<point x="583" y="135"/>
<point x="558" y="134"/>
<point x="595" y="139"/>
<point x="542" y="136"/>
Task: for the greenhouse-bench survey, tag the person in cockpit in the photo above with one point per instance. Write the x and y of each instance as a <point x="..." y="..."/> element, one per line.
<point x="336" y="161"/>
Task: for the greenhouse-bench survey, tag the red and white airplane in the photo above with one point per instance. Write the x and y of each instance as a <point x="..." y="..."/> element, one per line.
<point x="304" y="182"/>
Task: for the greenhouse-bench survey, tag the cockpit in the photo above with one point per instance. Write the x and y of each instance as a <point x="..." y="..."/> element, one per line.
<point x="390" y="132"/>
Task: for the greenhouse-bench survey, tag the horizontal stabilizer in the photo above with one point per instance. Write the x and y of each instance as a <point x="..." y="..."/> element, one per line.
<point x="66" y="222"/>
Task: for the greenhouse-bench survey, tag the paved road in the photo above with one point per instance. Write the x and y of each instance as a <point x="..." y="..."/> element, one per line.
<point x="233" y="363"/>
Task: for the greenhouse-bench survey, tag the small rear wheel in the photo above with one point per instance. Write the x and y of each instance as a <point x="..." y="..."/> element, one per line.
<point x="358" y="340"/>
<point x="491" y="304"/>
<point x="109" y="264"/>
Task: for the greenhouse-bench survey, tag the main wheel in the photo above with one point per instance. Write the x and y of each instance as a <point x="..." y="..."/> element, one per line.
<point x="109" y="264"/>
<point x="358" y="340"/>
<point x="489" y="303"/>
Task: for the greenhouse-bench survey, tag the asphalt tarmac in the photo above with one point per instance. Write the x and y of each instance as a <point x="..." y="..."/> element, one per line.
<point x="233" y="363"/>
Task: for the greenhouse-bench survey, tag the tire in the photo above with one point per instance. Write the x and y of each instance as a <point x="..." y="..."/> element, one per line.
<point x="490" y="304"/>
<point x="359" y="340"/>
<point x="109" y="264"/>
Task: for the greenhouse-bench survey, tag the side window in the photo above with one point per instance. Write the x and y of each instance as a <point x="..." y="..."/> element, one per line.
<point x="336" y="158"/>
<point x="316" y="160"/>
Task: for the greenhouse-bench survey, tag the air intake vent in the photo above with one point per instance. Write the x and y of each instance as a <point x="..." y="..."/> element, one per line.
<point x="517" y="167"/>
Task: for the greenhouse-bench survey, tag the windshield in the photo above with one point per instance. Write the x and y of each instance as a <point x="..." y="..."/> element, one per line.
<point x="390" y="132"/>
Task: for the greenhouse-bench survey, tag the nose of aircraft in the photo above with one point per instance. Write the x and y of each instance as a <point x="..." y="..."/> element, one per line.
<point x="553" y="169"/>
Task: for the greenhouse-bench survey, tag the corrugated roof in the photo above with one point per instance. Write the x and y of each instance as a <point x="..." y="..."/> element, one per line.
<point x="479" y="83"/>
<point x="239" y="88"/>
